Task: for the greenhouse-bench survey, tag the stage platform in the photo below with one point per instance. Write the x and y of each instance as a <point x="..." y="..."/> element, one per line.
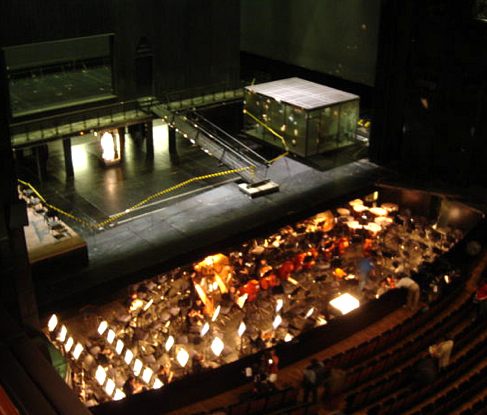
<point x="57" y="246"/>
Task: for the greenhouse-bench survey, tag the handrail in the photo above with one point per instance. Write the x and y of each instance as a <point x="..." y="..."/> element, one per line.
<point x="81" y="111"/>
<point x="262" y="159"/>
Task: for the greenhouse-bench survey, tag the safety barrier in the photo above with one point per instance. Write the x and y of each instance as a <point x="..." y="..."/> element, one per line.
<point x="116" y="217"/>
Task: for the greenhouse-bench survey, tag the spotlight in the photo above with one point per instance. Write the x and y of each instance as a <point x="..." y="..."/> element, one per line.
<point x="182" y="357"/>
<point x="205" y="329"/>
<point x="52" y="323"/>
<point x="78" y="349"/>
<point x="345" y="303"/>
<point x="69" y="344"/>
<point x="241" y="329"/>
<point x="137" y="367"/>
<point x="169" y="343"/>
<point x="110" y="336"/>
<point x="100" y="375"/>
<point x="217" y="346"/>
<point x="102" y="327"/>
<point x="119" y="347"/>
<point x="277" y="321"/>
<point x="128" y="356"/>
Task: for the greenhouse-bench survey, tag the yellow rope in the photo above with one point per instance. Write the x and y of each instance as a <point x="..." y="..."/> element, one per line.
<point x="139" y="204"/>
<point x="274" y="133"/>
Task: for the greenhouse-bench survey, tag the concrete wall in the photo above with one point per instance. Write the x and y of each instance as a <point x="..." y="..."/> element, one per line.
<point x="194" y="42"/>
<point x="336" y="37"/>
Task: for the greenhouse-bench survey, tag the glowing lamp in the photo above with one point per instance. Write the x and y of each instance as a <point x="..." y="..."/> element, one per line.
<point x="147" y="374"/>
<point x="119" y="347"/>
<point x="110" y="336"/>
<point x="52" y="323"/>
<point x="277" y="321"/>
<point x="62" y="333"/>
<point x="241" y="329"/>
<point x="118" y="395"/>
<point x="100" y="375"/>
<point x="69" y="344"/>
<point x="345" y="303"/>
<point x="182" y="357"/>
<point x="242" y="299"/>
<point x="356" y="202"/>
<point x="157" y="384"/>
<point x="78" y="349"/>
<point x="102" y="327"/>
<point x="310" y="312"/>
<point x="377" y="211"/>
<point x="373" y="227"/>
<point x="128" y="356"/>
<point x="149" y="303"/>
<point x="216" y="313"/>
<point x="204" y="329"/>
<point x="288" y="337"/>
<point x="137" y="367"/>
<point x="360" y="208"/>
<point x="110" y="387"/>
<point x="217" y="346"/>
<point x="169" y="343"/>
<point x="279" y="304"/>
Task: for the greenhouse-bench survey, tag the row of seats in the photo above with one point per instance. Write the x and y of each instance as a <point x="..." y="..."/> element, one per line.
<point x="400" y="395"/>
<point x="363" y="353"/>
<point x="269" y="403"/>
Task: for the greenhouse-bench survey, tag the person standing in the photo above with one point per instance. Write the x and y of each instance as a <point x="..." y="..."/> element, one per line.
<point x="414" y="292"/>
<point x="442" y="351"/>
<point x="273" y="368"/>
<point x="310" y="384"/>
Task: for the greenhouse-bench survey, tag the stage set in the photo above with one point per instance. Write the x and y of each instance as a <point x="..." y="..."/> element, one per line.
<point x="265" y="292"/>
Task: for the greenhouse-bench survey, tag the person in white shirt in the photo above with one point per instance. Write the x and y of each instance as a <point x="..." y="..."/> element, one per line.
<point x="414" y="291"/>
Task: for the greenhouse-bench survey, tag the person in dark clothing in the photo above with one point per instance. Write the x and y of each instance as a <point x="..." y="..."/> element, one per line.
<point x="310" y="384"/>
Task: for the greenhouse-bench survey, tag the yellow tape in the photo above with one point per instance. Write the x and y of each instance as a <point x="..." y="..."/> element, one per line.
<point x="139" y="204"/>
<point x="273" y="132"/>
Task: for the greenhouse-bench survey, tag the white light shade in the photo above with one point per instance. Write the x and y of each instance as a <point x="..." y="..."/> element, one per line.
<point x="373" y="227"/>
<point x="137" y="367"/>
<point x="216" y="313"/>
<point x="110" y="387"/>
<point x="377" y="211"/>
<point x="288" y="337"/>
<point x="182" y="357"/>
<point x="205" y="329"/>
<point x="149" y="303"/>
<point x="242" y="299"/>
<point x="310" y="312"/>
<point x="279" y="304"/>
<point x="345" y="303"/>
<point x="118" y="395"/>
<point x="241" y="329"/>
<point x="277" y="321"/>
<point x="102" y="327"/>
<point x="62" y="333"/>
<point x="128" y="356"/>
<point x="110" y="336"/>
<point x="69" y="344"/>
<point x="147" y="374"/>
<point x="119" y="347"/>
<point x="100" y="375"/>
<point x="78" y="349"/>
<point x="52" y="323"/>
<point x="217" y="346"/>
<point x="169" y="343"/>
<point x="157" y="384"/>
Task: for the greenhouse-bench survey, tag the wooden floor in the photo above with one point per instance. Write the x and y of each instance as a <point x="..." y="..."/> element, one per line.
<point x="292" y="375"/>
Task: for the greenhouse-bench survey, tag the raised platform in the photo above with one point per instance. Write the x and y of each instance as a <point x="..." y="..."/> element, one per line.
<point x="56" y="245"/>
